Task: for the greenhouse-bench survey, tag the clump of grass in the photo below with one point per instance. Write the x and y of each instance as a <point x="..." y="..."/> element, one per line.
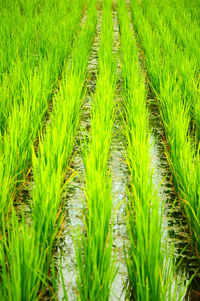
<point x="95" y="265"/>
<point x="151" y="267"/>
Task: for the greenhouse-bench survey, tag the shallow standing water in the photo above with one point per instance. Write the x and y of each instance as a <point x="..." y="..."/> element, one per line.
<point x="174" y="221"/>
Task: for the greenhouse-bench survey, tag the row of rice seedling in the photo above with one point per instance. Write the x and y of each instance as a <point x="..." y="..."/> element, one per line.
<point x="25" y="120"/>
<point x="174" y="108"/>
<point x="52" y="162"/>
<point x="34" y="42"/>
<point x="184" y="66"/>
<point x="95" y="265"/>
<point x="27" y="250"/>
<point x="182" y="24"/>
<point x="150" y="265"/>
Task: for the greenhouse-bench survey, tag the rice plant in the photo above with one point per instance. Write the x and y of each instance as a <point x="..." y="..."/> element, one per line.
<point x="21" y="262"/>
<point x="182" y="64"/>
<point x="26" y="116"/>
<point x="31" y="39"/>
<point x="49" y="168"/>
<point x="150" y="266"/>
<point x="175" y="112"/>
<point x="44" y="52"/>
<point x="95" y="262"/>
<point x="52" y="162"/>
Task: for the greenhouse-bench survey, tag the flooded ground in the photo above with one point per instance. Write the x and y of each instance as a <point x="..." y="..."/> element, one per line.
<point x="174" y="220"/>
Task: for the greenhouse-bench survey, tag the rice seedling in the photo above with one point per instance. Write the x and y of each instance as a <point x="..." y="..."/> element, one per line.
<point x="193" y="8"/>
<point x="95" y="265"/>
<point x="25" y="119"/>
<point x="30" y="41"/>
<point x="150" y="266"/>
<point x="174" y="109"/>
<point x="184" y="28"/>
<point x="185" y="33"/>
<point x="21" y="263"/>
<point x="185" y="61"/>
<point x="32" y="245"/>
<point x="44" y="52"/>
<point x="183" y="65"/>
<point x="52" y="161"/>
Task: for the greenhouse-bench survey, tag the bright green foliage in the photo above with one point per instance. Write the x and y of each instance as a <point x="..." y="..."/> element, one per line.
<point x="175" y="112"/>
<point x="33" y="245"/>
<point x="183" y="26"/>
<point x="36" y="83"/>
<point x="96" y="268"/>
<point x="182" y="61"/>
<point x="150" y="266"/>
<point x="21" y="262"/>
<point x="35" y="39"/>
<point x="55" y="148"/>
<point x="35" y="46"/>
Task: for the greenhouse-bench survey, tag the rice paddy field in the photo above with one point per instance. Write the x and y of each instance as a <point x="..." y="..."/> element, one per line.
<point x="99" y="150"/>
